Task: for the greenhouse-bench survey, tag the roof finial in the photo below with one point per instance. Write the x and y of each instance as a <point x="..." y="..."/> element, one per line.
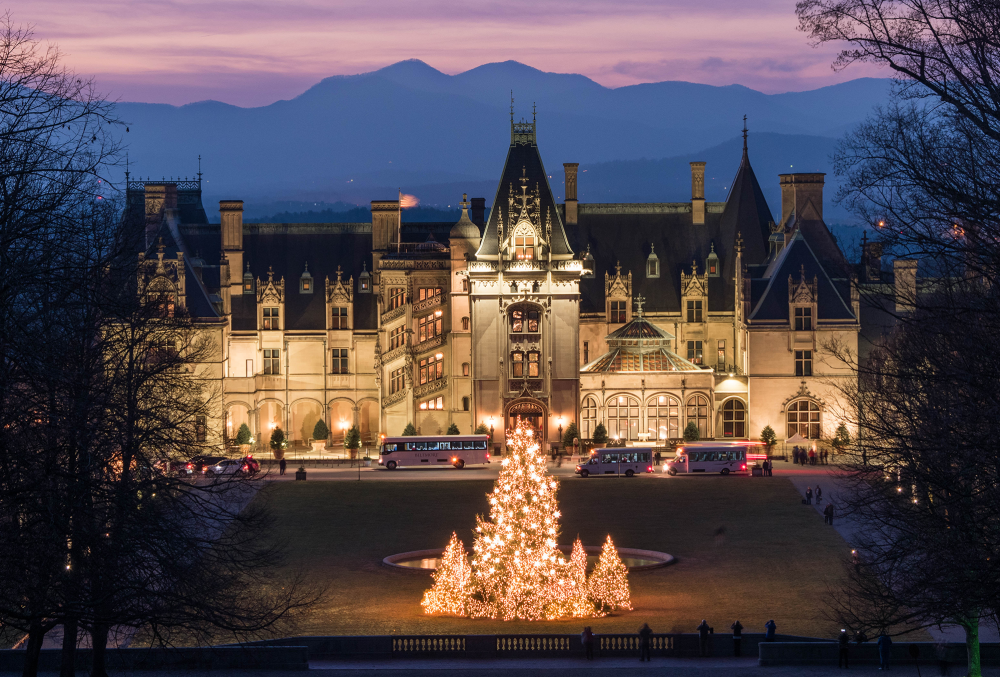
<point x="639" y="301"/>
<point x="199" y="167"/>
<point x="512" y="106"/>
<point x="744" y="134"/>
<point x="618" y="269"/>
<point x="532" y="111"/>
<point x="739" y="242"/>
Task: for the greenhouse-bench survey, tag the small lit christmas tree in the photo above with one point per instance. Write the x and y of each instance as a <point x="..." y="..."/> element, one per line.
<point x="570" y="594"/>
<point x="450" y="592"/>
<point x="608" y="583"/>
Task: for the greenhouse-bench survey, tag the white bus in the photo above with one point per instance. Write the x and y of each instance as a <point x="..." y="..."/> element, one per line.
<point x="454" y="450"/>
<point x="715" y="457"/>
<point x="617" y="461"/>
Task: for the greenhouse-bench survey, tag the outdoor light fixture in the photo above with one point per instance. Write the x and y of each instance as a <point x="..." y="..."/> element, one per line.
<point x="437" y="313"/>
<point x="439" y="356"/>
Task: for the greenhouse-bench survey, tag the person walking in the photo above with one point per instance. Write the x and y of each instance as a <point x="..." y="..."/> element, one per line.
<point x="737" y="637"/>
<point x="812" y="456"/>
<point x="795" y="455"/>
<point x="703" y="638"/>
<point x="809" y="496"/>
<point x="828" y="514"/>
<point x="884" y="650"/>
<point x="281" y="466"/>
<point x="770" y="629"/>
<point x="587" y="637"/>
<point x="844" y="643"/>
<point x="819" y="495"/>
<point x="645" y="635"/>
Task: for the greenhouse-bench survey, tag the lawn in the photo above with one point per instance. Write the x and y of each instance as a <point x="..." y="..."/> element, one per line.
<point x="776" y="559"/>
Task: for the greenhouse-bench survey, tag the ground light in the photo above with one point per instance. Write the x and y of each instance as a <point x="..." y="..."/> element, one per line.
<point x="517" y="570"/>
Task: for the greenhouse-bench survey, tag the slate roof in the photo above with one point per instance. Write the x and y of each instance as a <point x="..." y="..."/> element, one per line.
<point x="769" y="295"/>
<point x="200" y="294"/>
<point x="286" y="248"/>
<point x="747" y="215"/>
<point x="639" y="328"/>
<point x="524" y="161"/>
<point x="639" y="345"/>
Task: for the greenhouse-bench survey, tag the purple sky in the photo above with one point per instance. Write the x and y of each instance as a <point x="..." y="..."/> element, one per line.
<point x="253" y="52"/>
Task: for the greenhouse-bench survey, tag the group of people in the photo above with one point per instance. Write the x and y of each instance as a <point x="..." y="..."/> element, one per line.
<point x="704" y="630"/>
<point x="766" y="468"/>
<point x="809" y="456"/>
<point x="884" y="643"/>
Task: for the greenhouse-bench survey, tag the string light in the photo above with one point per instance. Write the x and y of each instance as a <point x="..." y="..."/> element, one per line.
<point x="517" y="571"/>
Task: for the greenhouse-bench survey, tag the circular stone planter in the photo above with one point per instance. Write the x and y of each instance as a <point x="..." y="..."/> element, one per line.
<point x="426" y="561"/>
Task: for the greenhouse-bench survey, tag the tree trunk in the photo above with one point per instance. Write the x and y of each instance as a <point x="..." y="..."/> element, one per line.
<point x="971" y="627"/>
<point x="68" y="665"/>
<point x="99" y="650"/>
<point x="36" y="635"/>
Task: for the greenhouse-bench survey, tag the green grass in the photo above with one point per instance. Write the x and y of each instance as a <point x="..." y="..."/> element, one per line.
<point x="776" y="561"/>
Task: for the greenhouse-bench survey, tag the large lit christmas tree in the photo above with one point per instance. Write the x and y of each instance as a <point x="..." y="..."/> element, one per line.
<point x="517" y="570"/>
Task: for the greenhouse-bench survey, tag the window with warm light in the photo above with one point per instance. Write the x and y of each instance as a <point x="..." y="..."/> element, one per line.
<point x="623" y="417"/>
<point x="338" y="318"/>
<point x="338" y="362"/>
<point x="588" y="416"/>
<point x="534" y="364"/>
<point x="586" y="352"/>
<point x="397" y="337"/>
<point x="697" y="411"/>
<point x="271" y="318"/>
<point x="721" y="358"/>
<point x="466" y="369"/>
<point x="524" y="246"/>
<point x="428" y="327"/>
<point x="694" y="355"/>
<point x="431" y="368"/>
<point x="804" y="419"/>
<point x="694" y="311"/>
<point x="396" y="297"/>
<point x="734" y="419"/>
<point x="618" y="312"/>
<point x="396" y="381"/>
<point x="425" y="293"/>
<point x="433" y="403"/>
<point x="663" y="417"/>
<point x="517" y="364"/>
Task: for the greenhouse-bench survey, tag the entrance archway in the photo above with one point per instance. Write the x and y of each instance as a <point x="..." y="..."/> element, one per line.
<point x="530" y="411"/>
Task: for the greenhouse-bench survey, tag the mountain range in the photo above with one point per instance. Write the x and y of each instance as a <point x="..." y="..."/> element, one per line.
<point x="411" y="127"/>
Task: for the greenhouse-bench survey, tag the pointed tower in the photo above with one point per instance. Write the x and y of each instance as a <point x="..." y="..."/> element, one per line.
<point x="746" y="212"/>
<point x="524" y="286"/>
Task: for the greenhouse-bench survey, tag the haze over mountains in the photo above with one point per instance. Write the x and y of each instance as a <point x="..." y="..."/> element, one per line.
<point x="409" y="126"/>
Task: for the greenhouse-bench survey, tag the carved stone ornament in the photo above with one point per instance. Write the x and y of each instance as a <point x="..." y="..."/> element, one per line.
<point x="270" y="291"/>
<point x="618" y="285"/>
<point x="803" y="293"/>
<point x="694" y="284"/>
<point x="339" y="293"/>
<point x="803" y="393"/>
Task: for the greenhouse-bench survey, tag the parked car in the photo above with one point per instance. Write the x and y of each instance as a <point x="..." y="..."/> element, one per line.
<point x="226" y="466"/>
<point x="251" y="466"/>
<point x="180" y="468"/>
<point x="201" y="464"/>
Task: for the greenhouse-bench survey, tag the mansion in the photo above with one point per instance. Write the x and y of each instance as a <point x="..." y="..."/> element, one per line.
<point x="644" y="317"/>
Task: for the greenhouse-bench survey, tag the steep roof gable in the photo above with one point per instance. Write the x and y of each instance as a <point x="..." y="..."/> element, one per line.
<point x="747" y="215"/>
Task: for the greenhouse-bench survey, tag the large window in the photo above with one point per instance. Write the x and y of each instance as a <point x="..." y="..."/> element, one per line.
<point x="695" y="352"/>
<point x="588" y="415"/>
<point x="338" y="362"/>
<point x="272" y="361"/>
<point x="517" y="364"/>
<point x="425" y="293"/>
<point x="803" y="319"/>
<point x="524" y="321"/>
<point x="431" y="368"/>
<point x="694" y="311"/>
<point x="396" y="297"/>
<point x="396" y="381"/>
<point x="428" y="327"/>
<point x="433" y="403"/>
<point x="534" y="366"/>
<point x="396" y="337"/>
<point x="623" y="417"/>
<point x="524" y="246"/>
<point x="697" y="411"/>
<point x="663" y="415"/>
<point x="271" y="318"/>
<point x="618" y="313"/>
<point x="734" y="419"/>
<point x="338" y="319"/>
<point x="804" y="419"/>
<point x="803" y="363"/>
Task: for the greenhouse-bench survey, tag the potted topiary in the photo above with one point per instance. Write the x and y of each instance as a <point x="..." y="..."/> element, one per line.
<point x="691" y="432"/>
<point x="278" y="443"/>
<point x="352" y="441"/>
<point x="243" y="437"/>
<point x="600" y="436"/>
<point x="320" y="435"/>
<point x="769" y="438"/>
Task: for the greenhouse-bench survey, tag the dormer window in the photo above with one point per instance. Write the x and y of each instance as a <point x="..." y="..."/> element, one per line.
<point x="652" y="263"/>
<point x="524" y="243"/>
<point x="588" y="264"/>
<point x="803" y="319"/>
<point x="247" y="281"/>
<point x="306" y="282"/>
<point x="712" y="268"/>
<point x="365" y="281"/>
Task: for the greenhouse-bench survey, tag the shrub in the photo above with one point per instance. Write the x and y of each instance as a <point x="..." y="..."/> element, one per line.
<point x="243" y="435"/>
<point x="571" y="433"/>
<point x="453" y="430"/>
<point x="600" y="434"/>
<point x="842" y="438"/>
<point x="353" y="438"/>
<point x="482" y="429"/>
<point x="320" y="431"/>
<point x="691" y="433"/>
<point x="409" y="430"/>
<point x="277" y="439"/>
<point x="768" y="437"/>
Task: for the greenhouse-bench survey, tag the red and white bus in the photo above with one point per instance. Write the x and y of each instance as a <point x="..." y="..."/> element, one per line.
<point x="435" y="451"/>
<point x="723" y="457"/>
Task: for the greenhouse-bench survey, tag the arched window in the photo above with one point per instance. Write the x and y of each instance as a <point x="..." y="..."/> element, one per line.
<point x="623" y="417"/>
<point x="465" y="369"/>
<point x="588" y="416"/>
<point x="804" y="419"/>
<point x="524" y="243"/>
<point x="465" y="404"/>
<point x="663" y="414"/>
<point x="517" y="364"/>
<point x="734" y="419"/>
<point x="697" y="411"/>
<point x="465" y="324"/>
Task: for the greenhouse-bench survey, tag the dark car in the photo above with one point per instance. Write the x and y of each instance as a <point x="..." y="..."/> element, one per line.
<point x="251" y="466"/>
<point x="180" y="468"/>
<point x="200" y="464"/>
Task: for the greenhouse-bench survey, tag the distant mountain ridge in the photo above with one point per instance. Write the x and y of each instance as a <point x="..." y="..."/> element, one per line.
<point x="361" y="137"/>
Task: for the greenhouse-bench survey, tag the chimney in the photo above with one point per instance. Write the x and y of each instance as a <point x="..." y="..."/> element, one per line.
<point x="385" y="224"/>
<point x="231" y="213"/>
<point x="905" y="273"/>
<point x="571" y="204"/>
<point x="802" y="194"/>
<point x="477" y="213"/>
<point x="698" y="193"/>
<point x="225" y="291"/>
<point x="871" y="261"/>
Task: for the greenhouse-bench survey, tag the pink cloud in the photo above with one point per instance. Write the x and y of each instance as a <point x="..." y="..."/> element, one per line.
<point x="253" y="53"/>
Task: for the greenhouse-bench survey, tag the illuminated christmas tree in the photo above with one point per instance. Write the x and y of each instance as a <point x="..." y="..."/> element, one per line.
<point x="450" y="592"/>
<point x="608" y="584"/>
<point x="517" y="571"/>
